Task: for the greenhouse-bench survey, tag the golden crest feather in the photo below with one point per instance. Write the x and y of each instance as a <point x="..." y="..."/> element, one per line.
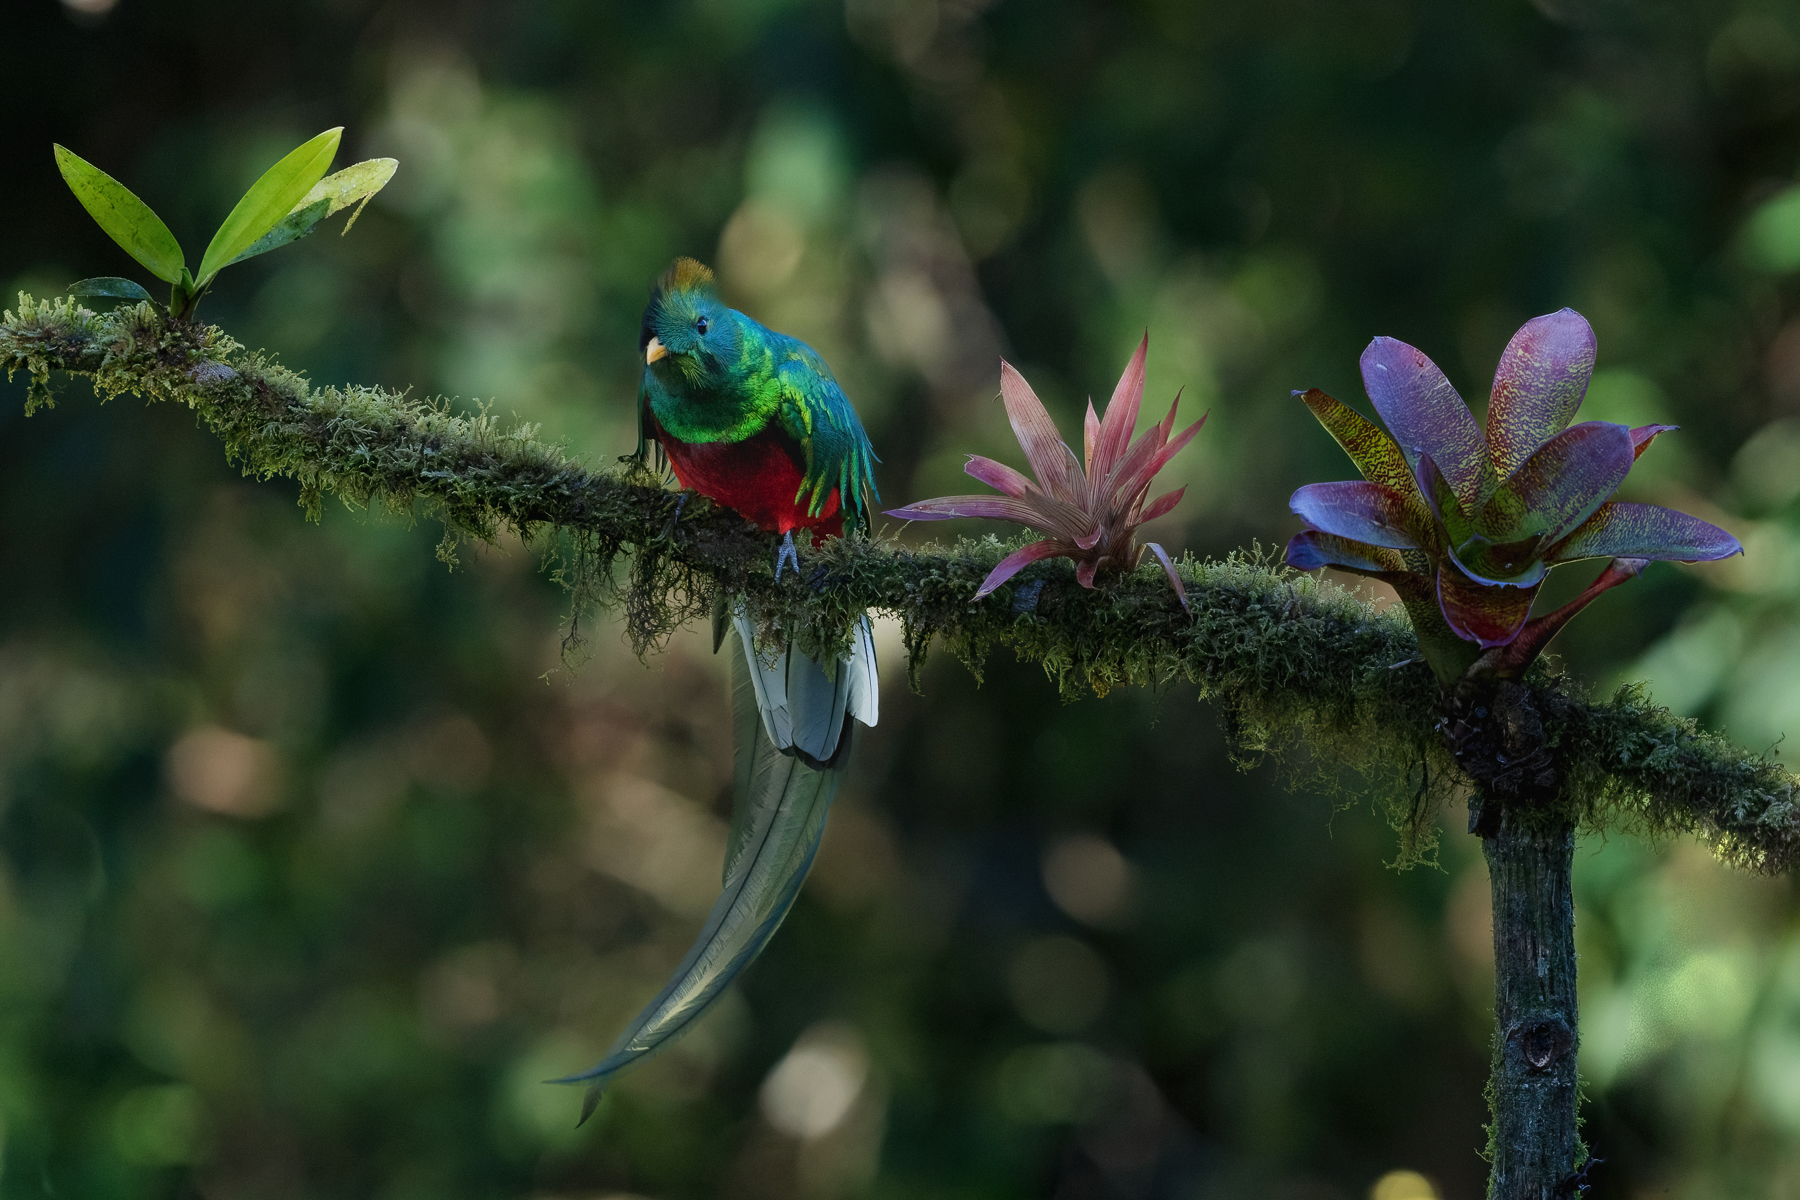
<point x="685" y="274"/>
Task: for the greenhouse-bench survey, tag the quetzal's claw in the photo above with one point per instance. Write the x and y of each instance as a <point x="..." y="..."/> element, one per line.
<point x="675" y="517"/>
<point x="787" y="554"/>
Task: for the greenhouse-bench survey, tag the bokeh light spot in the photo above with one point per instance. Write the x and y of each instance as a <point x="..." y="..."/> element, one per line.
<point x="1403" y="1185"/>
<point x="812" y="1089"/>
<point x="1772" y="234"/>
<point x="1090" y="880"/>
<point x="225" y="772"/>
<point x="760" y="247"/>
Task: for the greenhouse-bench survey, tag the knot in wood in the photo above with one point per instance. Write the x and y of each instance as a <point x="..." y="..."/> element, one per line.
<point x="1542" y="1041"/>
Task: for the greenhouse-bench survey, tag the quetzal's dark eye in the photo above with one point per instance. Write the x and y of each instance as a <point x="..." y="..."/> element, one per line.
<point x="700" y="325"/>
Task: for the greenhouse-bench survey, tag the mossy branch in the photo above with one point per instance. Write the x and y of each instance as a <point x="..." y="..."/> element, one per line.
<point x="1288" y="658"/>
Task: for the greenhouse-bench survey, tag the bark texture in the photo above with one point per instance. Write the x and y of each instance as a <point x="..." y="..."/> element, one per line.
<point x="1530" y="863"/>
<point x="1497" y="732"/>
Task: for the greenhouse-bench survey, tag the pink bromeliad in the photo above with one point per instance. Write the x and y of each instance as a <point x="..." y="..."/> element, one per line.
<point x="1091" y="507"/>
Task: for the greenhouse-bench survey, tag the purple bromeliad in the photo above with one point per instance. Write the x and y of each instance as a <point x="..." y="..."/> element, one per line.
<point x="1465" y="524"/>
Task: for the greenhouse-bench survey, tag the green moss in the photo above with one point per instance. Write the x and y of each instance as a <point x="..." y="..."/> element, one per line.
<point x="1582" y="1152"/>
<point x="1290" y="661"/>
<point x="1490" y="1149"/>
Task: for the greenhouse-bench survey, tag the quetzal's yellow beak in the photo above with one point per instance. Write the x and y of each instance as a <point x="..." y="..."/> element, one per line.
<point x="655" y="350"/>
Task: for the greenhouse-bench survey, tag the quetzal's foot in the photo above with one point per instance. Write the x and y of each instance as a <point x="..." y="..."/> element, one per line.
<point x="786" y="554"/>
<point x="675" y="517"/>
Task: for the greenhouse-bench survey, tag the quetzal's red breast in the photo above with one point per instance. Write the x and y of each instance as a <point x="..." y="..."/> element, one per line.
<point x="759" y="477"/>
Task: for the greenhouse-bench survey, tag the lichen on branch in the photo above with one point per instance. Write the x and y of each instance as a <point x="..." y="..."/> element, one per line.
<point x="1289" y="659"/>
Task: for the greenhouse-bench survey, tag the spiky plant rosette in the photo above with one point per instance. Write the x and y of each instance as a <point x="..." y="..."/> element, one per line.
<point x="1091" y="507"/>
<point x="1466" y="524"/>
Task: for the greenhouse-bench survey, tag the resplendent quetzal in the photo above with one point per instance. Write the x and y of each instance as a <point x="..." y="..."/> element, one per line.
<point x="754" y="420"/>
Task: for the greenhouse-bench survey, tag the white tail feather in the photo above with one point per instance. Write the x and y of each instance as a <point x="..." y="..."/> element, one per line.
<point x="802" y="705"/>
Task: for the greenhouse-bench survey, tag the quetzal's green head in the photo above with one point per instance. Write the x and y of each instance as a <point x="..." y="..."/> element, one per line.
<point x="689" y="336"/>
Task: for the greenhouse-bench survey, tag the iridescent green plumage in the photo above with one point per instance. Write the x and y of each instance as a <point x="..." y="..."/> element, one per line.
<point x="724" y="378"/>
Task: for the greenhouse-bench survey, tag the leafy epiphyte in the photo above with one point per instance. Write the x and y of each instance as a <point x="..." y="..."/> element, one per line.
<point x="1091" y="507"/>
<point x="284" y="205"/>
<point x="1465" y="523"/>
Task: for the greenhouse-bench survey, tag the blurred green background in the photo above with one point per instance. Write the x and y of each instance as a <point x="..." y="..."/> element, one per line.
<point x="315" y="863"/>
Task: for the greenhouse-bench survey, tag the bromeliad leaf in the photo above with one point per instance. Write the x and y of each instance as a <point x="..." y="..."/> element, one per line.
<point x="1516" y="655"/>
<point x="1437" y="494"/>
<point x="1017" y="561"/>
<point x="271" y="198"/>
<point x="1311" y="549"/>
<point x="1542" y="377"/>
<point x="1363" y="512"/>
<point x="1428" y="417"/>
<point x="1560" y="485"/>
<point x="999" y="476"/>
<point x="1506" y="564"/>
<point x="330" y="196"/>
<point x="1375" y="454"/>
<point x="1643" y="435"/>
<point x="126" y="219"/>
<point x="108" y="287"/>
<point x="1487" y="616"/>
<point x="1623" y="529"/>
<point x="1052" y="461"/>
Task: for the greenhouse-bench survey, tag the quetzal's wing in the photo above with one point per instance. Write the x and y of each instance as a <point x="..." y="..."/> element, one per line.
<point x="782" y="793"/>
<point x="648" y="430"/>
<point x="815" y="413"/>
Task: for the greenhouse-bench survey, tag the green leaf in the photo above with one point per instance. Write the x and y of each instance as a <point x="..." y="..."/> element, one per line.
<point x="269" y="199"/>
<point x="126" y="219"/>
<point x="290" y="228"/>
<point x="331" y="195"/>
<point x="354" y="184"/>
<point x="108" y="287"/>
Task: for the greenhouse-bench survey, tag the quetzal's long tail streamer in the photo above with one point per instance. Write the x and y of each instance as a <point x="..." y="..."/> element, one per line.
<point x="792" y="723"/>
